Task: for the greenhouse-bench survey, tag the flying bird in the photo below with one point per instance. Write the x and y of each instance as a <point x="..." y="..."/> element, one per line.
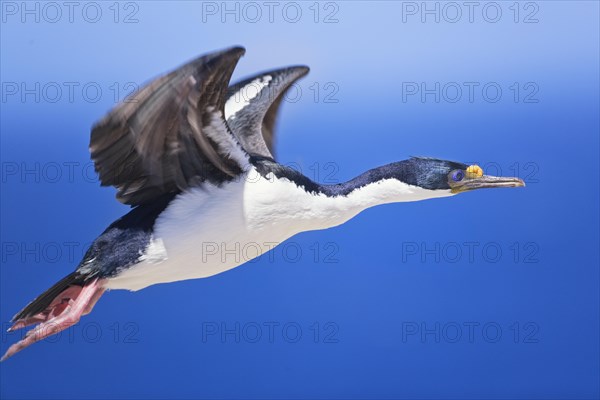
<point x="193" y="157"/>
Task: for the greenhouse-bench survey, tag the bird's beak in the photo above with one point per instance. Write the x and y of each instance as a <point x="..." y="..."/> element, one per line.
<point x="486" y="181"/>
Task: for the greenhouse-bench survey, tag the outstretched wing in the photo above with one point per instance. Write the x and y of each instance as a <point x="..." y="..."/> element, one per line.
<point x="172" y="134"/>
<point x="252" y="105"/>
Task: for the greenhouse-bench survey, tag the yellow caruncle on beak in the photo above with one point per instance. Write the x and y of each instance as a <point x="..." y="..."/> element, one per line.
<point x="474" y="171"/>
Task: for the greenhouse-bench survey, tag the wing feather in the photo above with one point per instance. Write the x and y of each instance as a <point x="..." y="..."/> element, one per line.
<point x="157" y="142"/>
<point x="252" y="105"/>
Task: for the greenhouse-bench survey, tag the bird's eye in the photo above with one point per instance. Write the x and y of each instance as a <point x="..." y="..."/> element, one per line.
<point x="458" y="175"/>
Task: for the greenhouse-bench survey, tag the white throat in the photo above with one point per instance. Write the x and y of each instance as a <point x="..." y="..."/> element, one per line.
<point x="343" y="208"/>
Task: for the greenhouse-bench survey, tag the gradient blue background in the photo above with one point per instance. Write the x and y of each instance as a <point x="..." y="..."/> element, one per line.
<point x="375" y="289"/>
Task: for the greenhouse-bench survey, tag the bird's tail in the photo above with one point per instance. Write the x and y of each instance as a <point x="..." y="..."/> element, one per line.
<point x="56" y="309"/>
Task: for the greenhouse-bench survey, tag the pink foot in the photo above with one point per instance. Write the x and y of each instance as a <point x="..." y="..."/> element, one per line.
<point x="63" y="312"/>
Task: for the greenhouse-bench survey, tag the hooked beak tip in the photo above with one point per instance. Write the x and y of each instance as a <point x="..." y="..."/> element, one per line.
<point x="520" y="183"/>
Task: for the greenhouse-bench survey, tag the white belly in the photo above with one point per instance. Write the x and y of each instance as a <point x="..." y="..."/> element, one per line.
<point x="210" y="230"/>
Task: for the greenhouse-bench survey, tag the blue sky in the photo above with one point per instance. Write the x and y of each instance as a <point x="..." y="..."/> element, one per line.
<point x="493" y="294"/>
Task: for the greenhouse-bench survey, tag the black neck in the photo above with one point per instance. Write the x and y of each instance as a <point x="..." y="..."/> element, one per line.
<point x="427" y="173"/>
<point x="399" y="170"/>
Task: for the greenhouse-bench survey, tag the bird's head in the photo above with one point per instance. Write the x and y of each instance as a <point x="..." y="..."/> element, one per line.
<point x="436" y="174"/>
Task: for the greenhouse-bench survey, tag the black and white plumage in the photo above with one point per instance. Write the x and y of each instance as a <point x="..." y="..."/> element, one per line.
<point x="194" y="158"/>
